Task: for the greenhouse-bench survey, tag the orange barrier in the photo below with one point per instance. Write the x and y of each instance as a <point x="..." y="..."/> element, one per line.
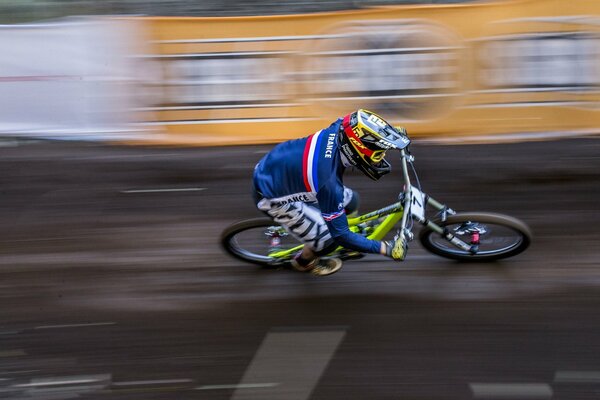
<point x="441" y="71"/>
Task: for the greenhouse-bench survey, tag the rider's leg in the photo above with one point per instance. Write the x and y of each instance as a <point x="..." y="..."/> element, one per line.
<point x="303" y="261"/>
<point x="308" y="254"/>
<point x="319" y="266"/>
<point x="351" y="204"/>
<point x="307" y="225"/>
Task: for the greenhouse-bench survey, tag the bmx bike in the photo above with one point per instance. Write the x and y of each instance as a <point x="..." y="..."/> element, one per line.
<point x="463" y="236"/>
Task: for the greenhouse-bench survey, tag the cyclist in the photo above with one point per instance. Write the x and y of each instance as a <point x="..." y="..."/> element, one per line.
<point x="299" y="184"/>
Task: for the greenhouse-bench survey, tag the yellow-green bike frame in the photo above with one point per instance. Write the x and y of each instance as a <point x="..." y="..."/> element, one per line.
<point x="367" y="223"/>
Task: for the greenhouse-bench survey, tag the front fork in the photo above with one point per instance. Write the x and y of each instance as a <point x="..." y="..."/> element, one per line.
<point x="444" y="211"/>
<point x="406" y="198"/>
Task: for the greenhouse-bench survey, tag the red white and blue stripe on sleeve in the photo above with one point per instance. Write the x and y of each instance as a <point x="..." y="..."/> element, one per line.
<point x="332" y="216"/>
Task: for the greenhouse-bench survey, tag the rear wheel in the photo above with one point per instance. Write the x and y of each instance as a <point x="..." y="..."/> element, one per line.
<point x="254" y="239"/>
<point x="496" y="236"/>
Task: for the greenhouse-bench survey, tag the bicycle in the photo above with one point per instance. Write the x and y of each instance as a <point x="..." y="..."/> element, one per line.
<point x="468" y="236"/>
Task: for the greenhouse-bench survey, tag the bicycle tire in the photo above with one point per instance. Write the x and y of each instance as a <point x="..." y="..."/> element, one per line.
<point x="432" y="241"/>
<point x="228" y="242"/>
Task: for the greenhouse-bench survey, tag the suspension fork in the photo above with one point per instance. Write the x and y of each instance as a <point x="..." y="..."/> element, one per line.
<point x="449" y="236"/>
<point x="444" y="211"/>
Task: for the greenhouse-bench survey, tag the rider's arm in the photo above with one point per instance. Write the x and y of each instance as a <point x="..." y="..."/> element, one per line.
<point x="338" y="227"/>
<point x="330" y="198"/>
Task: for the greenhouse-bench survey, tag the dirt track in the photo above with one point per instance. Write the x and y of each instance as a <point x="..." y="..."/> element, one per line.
<point x="130" y="290"/>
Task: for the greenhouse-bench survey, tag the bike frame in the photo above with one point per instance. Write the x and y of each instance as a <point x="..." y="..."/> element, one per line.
<point x="411" y="199"/>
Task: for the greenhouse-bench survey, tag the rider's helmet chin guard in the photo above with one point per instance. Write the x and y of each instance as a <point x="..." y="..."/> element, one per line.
<point x="364" y="139"/>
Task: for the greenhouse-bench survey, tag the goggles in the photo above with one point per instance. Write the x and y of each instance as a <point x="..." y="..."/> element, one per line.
<point x="375" y="155"/>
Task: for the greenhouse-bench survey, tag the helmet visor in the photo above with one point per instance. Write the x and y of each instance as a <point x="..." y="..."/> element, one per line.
<point x="385" y="133"/>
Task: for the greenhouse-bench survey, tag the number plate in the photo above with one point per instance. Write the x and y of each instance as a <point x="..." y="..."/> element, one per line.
<point x="417" y="205"/>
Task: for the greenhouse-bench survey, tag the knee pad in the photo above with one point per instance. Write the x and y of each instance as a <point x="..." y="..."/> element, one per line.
<point x="305" y="223"/>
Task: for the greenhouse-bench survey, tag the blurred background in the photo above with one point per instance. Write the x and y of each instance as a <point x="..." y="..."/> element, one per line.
<point x="125" y="71"/>
<point x="128" y="135"/>
<point x="33" y="10"/>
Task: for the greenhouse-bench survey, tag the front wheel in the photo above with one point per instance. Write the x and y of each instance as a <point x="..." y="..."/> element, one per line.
<point x="495" y="236"/>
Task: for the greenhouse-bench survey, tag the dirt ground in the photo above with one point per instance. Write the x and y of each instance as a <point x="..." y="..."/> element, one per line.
<point x="111" y="287"/>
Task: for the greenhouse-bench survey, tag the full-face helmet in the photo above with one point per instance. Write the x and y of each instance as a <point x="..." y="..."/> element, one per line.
<point x="364" y="139"/>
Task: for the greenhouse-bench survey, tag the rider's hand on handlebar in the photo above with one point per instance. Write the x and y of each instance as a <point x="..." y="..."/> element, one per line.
<point x="395" y="249"/>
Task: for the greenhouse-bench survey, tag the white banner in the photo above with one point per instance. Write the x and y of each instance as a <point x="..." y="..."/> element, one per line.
<point x="72" y="79"/>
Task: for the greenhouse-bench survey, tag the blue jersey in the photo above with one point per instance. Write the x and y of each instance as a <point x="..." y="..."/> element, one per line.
<point x="310" y="170"/>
